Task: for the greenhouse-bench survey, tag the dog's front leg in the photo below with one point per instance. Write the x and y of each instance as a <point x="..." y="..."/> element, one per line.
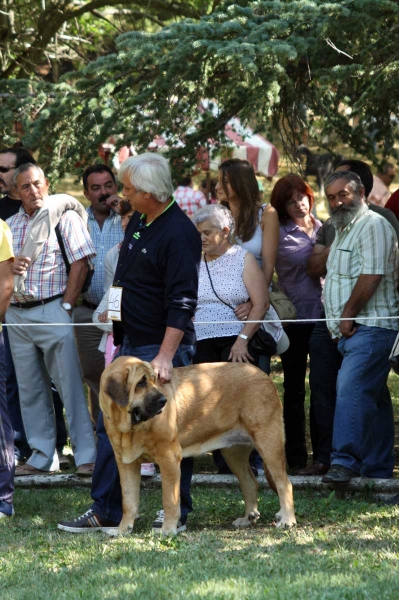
<point x="130" y="484"/>
<point x="170" y="475"/>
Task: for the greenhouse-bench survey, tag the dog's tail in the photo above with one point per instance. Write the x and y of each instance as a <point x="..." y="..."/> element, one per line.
<point x="269" y="479"/>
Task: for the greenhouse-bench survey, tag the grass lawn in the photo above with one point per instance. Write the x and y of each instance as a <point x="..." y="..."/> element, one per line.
<point x="342" y="548"/>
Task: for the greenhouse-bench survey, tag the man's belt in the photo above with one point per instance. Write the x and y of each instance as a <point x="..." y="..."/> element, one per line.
<point x="34" y="303"/>
<point x="89" y="304"/>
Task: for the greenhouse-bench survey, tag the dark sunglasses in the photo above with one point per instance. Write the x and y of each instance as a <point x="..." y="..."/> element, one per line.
<point x="6" y="169"/>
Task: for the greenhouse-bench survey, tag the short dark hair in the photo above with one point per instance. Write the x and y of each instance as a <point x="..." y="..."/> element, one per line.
<point x="184" y="181"/>
<point x="385" y="167"/>
<point x="22" y="155"/>
<point x="363" y="170"/>
<point x="97" y="168"/>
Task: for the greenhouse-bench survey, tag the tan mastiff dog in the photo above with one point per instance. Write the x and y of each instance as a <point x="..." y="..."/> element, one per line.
<point x="231" y="406"/>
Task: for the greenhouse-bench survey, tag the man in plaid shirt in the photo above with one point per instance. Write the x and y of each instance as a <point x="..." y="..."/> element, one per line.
<point x="362" y="306"/>
<point x="48" y="350"/>
<point x="188" y="199"/>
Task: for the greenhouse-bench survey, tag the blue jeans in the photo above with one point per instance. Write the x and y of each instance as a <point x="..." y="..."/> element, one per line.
<point x="363" y="438"/>
<point x="106" y="489"/>
<point x="7" y="460"/>
<point x="325" y="363"/>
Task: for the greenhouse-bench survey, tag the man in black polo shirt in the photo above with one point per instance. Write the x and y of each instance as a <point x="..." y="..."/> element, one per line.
<point x="11" y="159"/>
<point x="158" y="271"/>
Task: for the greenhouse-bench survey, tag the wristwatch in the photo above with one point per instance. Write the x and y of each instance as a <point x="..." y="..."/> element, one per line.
<point x="67" y="306"/>
<point x="243" y="336"/>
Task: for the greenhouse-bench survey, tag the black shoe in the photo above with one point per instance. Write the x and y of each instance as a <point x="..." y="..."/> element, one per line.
<point x="339" y="474"/>
<point x="89" y="522"/>
<point x="315" y="469"/>
<point x="392" y="501"/>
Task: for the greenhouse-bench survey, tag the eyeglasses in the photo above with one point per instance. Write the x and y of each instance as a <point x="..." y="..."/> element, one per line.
<point x="6" y="169"/>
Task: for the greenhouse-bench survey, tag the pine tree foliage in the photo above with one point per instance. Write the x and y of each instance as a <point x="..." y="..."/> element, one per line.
<point x="290" y="66"/>
<point x="35" y="34"/>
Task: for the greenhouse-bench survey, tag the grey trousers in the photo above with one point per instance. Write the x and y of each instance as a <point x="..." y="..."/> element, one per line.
<point x="41" y="353"/>
<point x="91" y="359"/>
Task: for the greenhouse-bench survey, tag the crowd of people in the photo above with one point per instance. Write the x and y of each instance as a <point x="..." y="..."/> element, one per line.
<point x="192" y="276"/>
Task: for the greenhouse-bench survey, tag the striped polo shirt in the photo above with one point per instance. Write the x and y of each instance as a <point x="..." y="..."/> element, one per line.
<point x="367" y="246"/>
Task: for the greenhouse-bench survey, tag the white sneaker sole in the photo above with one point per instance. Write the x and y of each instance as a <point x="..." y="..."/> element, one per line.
<point x="69" y="529"/>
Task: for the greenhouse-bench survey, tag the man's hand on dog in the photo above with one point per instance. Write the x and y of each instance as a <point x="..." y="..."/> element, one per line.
<point x="162" y="366"/>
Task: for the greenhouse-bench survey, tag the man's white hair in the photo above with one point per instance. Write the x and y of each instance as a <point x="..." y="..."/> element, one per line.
<point x="149" y="172"/>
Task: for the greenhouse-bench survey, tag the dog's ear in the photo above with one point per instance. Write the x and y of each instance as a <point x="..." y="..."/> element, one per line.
<point x="116" y="387"/>
<point x="150" y="371"/>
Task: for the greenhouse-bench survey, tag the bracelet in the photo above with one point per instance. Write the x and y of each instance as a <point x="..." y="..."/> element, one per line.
<point x="243" y="336"/>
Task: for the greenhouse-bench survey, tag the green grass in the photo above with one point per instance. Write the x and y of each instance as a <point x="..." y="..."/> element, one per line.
<point x="342" y="548"/>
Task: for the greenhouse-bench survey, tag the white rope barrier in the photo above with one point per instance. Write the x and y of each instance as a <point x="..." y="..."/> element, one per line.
<point x="11" y="325"/>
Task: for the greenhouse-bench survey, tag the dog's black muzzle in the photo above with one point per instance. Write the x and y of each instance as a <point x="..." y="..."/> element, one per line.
<point x="152" y="406"/>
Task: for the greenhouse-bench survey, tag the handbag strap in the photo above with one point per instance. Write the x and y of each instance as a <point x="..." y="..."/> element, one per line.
<point x="62" y="247"/>
<point x="213" y="289"/>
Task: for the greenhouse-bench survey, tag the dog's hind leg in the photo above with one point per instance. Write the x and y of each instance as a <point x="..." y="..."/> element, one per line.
<point x="130" y="484"/>
<point x="270" y="445"/>
<point x="237" y="457"/>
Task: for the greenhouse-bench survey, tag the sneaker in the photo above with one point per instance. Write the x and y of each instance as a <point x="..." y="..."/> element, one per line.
<point x="148" y="470"/>
<point x="89" y="522"/>
<point x="157" y="524"/>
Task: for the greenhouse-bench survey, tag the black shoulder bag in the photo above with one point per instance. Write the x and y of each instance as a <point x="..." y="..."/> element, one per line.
<point x="90" y="272"/>
<point x="261" y="342"/>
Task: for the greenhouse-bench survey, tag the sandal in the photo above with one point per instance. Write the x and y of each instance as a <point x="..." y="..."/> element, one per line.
<point x="26" y="469"/>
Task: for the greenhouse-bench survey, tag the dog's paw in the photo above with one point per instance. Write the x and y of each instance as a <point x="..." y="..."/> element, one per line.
<point x="121" y="530"/>
<point x="166" y="531"/>
<point x="249" y="521"/>
<point x="285" y="521"/>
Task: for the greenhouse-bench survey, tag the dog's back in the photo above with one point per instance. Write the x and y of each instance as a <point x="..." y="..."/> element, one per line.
<point x="221" y="401"/>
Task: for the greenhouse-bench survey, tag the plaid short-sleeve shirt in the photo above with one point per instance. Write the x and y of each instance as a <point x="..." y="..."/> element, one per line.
<point x="189" y="200"/>
<point x="367" y="246"/>
<point x="47" y="276"/>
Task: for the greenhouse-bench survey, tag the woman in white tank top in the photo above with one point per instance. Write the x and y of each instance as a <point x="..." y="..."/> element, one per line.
<point x="256" y="225"/>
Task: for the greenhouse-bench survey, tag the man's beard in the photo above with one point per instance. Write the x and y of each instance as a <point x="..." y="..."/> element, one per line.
<point x="344" y="214"/>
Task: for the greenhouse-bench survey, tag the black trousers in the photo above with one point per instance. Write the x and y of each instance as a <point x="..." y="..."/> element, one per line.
<point x="218" y="350"/>
<point x="325" y="363"/>
<point x="294" y="362"/>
